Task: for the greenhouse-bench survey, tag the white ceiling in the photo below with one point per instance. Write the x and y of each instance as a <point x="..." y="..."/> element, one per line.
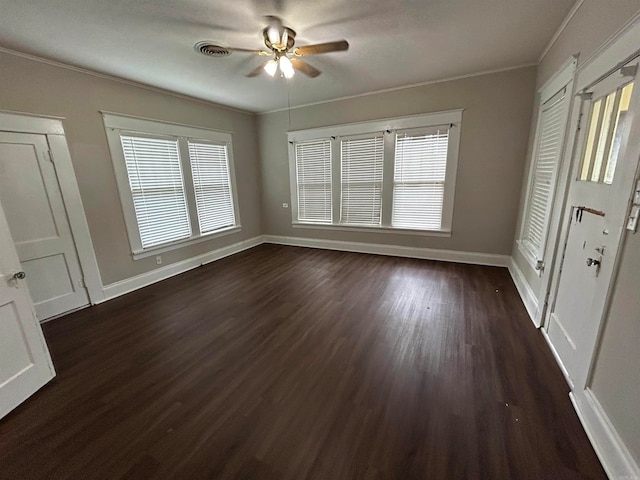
<point x="392" y="42"/>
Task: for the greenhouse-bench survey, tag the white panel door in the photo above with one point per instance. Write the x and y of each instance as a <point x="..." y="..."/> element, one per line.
<point x="32" y="202"/>
<point x="25" y="364"/>
<point x="598" y="199"/>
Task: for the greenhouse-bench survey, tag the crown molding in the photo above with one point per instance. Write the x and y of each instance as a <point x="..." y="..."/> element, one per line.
<point x="561" y="28"/>
<point x="120" y="80"/>
<point x="403" y="87"/>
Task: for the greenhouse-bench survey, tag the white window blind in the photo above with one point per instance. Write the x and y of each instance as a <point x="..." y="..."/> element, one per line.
<point x="212" y="186"/>
<point x="552" y="119"/>
<point x="313" y="173"/>
<point x="155" y="178"/>
<point x="361" y="180"/>
<point x="419" y="179"/>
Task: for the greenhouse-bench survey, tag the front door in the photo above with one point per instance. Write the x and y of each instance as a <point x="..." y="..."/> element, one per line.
<point x="598" y="201"/>
<point x="32" y="202"/>
<point x="25" y="364"/>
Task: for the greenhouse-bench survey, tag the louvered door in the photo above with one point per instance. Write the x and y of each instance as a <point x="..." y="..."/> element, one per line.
<point x="553" y="118"/>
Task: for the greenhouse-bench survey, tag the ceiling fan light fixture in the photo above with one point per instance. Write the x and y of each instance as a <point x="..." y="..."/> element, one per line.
<point x="281" y="51"/>
<point x="271" y="67"/>
<point x="286" y="67"/>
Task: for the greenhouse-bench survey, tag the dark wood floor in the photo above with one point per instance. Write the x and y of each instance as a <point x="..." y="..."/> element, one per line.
<point x="290" y="363"/>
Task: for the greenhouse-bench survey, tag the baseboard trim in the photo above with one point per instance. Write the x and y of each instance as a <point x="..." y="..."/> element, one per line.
<point x="475" y="258"/>
<point x="563" y="369"/>
<point x="524" y="290"/>
<point x="128" y="285"/>
<point x="613" y="454"/>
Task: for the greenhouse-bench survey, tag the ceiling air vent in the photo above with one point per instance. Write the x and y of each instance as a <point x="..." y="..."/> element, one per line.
<point x="212" y="50"/>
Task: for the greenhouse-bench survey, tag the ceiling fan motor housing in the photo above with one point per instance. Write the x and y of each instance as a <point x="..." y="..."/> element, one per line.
<point x="291" y="38"/>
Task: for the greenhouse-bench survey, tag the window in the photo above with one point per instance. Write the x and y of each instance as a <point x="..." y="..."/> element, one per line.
<point x="155" y="179"/>
<point x="212" y="186"/>
<point x="176" y="183"/>
<point x="313" y="173"/>
<point x="361" y="181"/>
<point x="387" y="175"/>
<point x="418" y="183"/>
<point x="607" y="121"/>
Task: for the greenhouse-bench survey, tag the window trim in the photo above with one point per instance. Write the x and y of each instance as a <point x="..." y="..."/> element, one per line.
<point x="389" y="127"/>
<point x="373" y="229"/>
<point x="117" y="124"/>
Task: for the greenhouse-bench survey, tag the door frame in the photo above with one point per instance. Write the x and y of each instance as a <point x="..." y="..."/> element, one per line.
<point x="563" y="78"/>
<point x="52" y="128"/>
<point x="619" y="47"/>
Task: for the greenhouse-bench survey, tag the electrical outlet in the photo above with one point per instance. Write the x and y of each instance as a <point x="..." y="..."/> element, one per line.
<point x="158" y="260"/>
<point x="285" y="205"/>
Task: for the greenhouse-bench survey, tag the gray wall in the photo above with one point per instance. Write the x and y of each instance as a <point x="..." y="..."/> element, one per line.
<point x="495" y="129"/>
<point x="35" y="87"/>
<point x="615" y="381"/>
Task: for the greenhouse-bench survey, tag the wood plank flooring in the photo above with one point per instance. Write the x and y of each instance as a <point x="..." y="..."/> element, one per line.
<point x="291" y="363"/>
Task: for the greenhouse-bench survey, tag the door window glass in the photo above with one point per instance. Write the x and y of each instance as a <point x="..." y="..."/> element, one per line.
<point x="606" y="126"/>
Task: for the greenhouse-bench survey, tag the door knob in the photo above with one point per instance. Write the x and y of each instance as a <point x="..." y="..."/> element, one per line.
<point x="591" y="261"/>
<point x="19" y="275"/>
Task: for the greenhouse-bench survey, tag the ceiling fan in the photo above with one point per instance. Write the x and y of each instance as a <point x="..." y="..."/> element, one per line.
<point x="280" y="41"/>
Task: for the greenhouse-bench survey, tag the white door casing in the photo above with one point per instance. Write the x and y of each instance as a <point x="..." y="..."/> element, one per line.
<point x="35" y="211"/>
<point x="52" y="128"/>
<point x="25" y="364"/>
<point x="581" y="292"/>
<point x="556" y="93"/>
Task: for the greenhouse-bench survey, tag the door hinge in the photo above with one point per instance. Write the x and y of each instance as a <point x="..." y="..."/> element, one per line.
<point x="580" y="120"/>
<point x="48" y="157"/>
<point x="81" y="283"/>
<point x="585" y="95"/>
<point x="629" y="70"/>
<point x="546" y="299"/>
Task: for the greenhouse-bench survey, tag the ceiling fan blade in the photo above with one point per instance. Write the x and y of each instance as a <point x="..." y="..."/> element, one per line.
<point x="249" y="50"/>
<point x="339" y="46"/>
<point x="305" y="68"/>
<point x="256" y="71"/>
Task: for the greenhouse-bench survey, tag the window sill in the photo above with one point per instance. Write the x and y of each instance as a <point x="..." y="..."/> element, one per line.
<point x="148" y="252"/>
<point x="529" y="256"/>
<point x="354" y="228"/>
